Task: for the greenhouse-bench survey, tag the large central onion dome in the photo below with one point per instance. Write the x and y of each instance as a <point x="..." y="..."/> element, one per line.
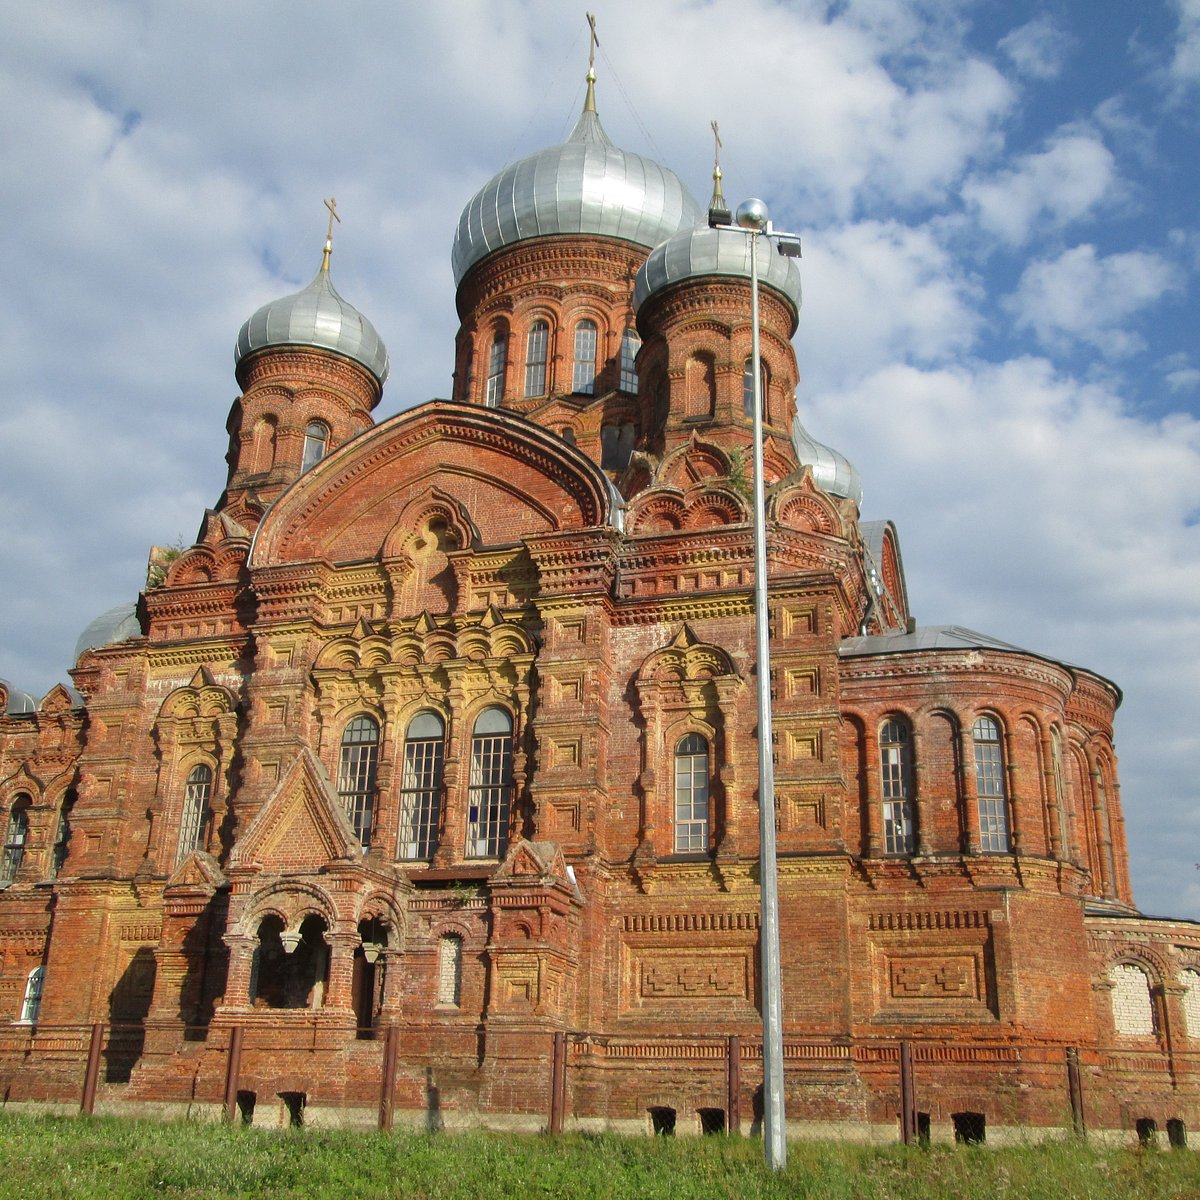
<point x="315" y="316"/>
<point x="585" y="185"/>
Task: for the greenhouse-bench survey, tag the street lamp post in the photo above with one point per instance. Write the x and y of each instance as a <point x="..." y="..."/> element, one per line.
<point x="753" y="220"/>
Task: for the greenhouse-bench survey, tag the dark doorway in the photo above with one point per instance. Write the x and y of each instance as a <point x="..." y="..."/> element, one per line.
<point x="712" y="1120"/>
<point x="662" y="1120"/>
<point x="970" y="1128"/>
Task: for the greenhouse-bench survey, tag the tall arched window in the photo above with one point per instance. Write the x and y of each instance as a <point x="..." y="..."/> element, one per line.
<point x="537" y="351"/>
<point x="316" y="444"/>
<point x="421" y="786"/>
<point x="895" y="770"/>
<point x="450" y="954"/>
<point x="1191" y="1002"/>
<point x="1132" y="1004"/>
<point x="15" y="838"/>
<point x="491" y="784"/>
<point x="583" y="377"/>
<point x="1060" y="793"/>
<point x="748" y="387"/>
<point x="691" y="795"/>
<point x="196" y="794"/>
<point x="62" y="835"/>
<point x="989" y="786"/>
<point x="32" y="1003"/>
<point x="356" y="774"/>
<point x="497" y="362"/>
<point x="630" y="345"/>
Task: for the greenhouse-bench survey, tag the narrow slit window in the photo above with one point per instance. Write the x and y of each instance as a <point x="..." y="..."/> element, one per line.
<point x="989" y="785"/>
<point x="895" y="767"/>
<point x="421" y="786"/>
<point x="14" y="839"/>
<point x="196" y="795"/>
<point x="583" y="378"/>
<point x="491" y="785"/>
<point x="497" y="362"/>
<point x="450" y="956"/>
<point x="356" y="774"/>
<point x="630" y="345"/>
<point x="691" y="795"/>
<point x="537" y="350"/>
<point x="32" y="1003"/>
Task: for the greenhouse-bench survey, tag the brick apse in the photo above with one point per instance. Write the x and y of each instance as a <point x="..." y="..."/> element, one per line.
<point x="423" y="785"/>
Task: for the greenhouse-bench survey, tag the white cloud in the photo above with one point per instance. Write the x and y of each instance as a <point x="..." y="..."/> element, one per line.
<point x="1039" y="47"/>
<point x="1185" y="63"/>
<point x="1067" y="181"/>
<point x="1080" y="295"/>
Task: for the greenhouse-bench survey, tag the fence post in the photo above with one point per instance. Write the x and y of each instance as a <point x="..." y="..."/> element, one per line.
<point x="233" y="1068"/>
<point x="558" y="1081"/>
<point x="733" y="1084"/>
<point x="908" y="1097"/>
<point x="1075" y="1088"/>
<point x="391" y="1051"/>
<point x="90" y="1077"/>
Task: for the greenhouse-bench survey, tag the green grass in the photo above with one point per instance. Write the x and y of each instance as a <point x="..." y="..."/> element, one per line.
<point x="88" y="1158"/>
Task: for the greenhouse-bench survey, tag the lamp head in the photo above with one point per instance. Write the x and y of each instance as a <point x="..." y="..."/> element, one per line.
<point x="752" y="215"/>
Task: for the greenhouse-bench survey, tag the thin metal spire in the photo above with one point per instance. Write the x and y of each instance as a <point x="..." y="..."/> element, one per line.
<point x="718" y="210"/>
<point x="589" y="102"/>
<point x="330" y="204"/>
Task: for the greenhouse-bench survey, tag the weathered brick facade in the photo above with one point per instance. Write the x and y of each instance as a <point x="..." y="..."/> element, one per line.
<point x="446" y="745"/>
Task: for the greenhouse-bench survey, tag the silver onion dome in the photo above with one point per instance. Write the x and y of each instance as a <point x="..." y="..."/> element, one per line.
<point x="315" y="316"/>
<point x="832" y="471"/>
<point x="117" y="625"/>
<point x="585" y="185"/>
<point x="693" y="253"/>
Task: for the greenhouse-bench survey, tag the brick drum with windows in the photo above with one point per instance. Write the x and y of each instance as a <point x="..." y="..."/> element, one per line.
<point x="440" y="742"/>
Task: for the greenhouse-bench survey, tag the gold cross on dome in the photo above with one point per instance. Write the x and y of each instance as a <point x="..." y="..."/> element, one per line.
<point x="594" y="41"/>
<point x="330" y="204"/>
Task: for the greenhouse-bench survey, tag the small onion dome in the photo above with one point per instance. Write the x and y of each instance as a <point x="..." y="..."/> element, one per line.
<point x="315" y="316"/>
<point x="117" y="625"/>
<point x="585" y="185"/>
<point x="18" y="701"/>
<point x="694" y="253"/>
<point x="832" y="471"/>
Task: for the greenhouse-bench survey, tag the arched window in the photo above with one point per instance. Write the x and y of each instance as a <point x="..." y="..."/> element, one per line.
<point x="700" y="396"/>
<point x="62" y="835"/>
<point x="14" y="839"/>
<point x="32" y="1003"/>
<point x="421" y="786"/>
<point x="630" y="345"/>
<point x="1191" y="1002"/>
<point x="196" y="794"/>
<point x="895" y="770"/>
<point x="537" y="350"/>
<point x="1132" y="1004"/>
<point x="989" y="785"/>
<point x="583" y="377"/>
<point x="356" y="774"/>
<point x="449" y="984"/>
<point x="691" y="795"/>
<point x="497" y="362"/>
<point x="316" y="444"/>
<point x="748" y="387"/>
<point x="1060" y="793"/>
<point x="491" y="784"/>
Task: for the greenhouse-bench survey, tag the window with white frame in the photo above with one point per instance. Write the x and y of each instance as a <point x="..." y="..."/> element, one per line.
<point x="316" y="444"/>
<point x="32" y="1003"/>
<point x="356" y="774"/>
<point x="1132" y="1004"/>
<point x="583" y="376"/>
<point x="537" y="352"/>
<point x="491" y="784"/>
<point x="421" y="786"/>
<point x="15" y="837"/>
<point x="691" y="795"/>
<point x="630" y="345"/>
<point x="990" y="788"/>
<point x="196" y="794"/>
<point x="895" y="769"/>
<point x="497" y="363"/>
<point x="748" y="387"/>
<point x="450" y="957"/>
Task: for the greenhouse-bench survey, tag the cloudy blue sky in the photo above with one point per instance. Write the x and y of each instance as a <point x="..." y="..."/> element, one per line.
<point x="999" y="208"/>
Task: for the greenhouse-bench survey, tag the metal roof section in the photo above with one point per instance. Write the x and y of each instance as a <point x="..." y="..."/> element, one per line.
<point x="584" y="185"/>
<point x="315" y="316"/>
<point x="874" y="534"/>
<point x="19" y="702"/>
<point x="119" y="624"/>
<point x="700" y="251"/>
<point x="831" y="470"/>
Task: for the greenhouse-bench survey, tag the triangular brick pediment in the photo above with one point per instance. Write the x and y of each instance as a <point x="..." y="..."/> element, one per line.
<point x="684" y="638"/>
<point x="534" y="860"/>
<point x="363" y="629"/>
<point x="56" y="700"/>
<point x="197" y="872"/>
<point x="301" y="828"/>
<point x="203" y="678"/>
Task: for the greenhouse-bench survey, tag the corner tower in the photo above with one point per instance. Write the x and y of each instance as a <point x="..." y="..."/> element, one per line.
<point x="311" y="368"/>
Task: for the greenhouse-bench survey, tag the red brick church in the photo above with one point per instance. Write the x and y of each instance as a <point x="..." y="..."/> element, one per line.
<point x="423" y="786"/>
